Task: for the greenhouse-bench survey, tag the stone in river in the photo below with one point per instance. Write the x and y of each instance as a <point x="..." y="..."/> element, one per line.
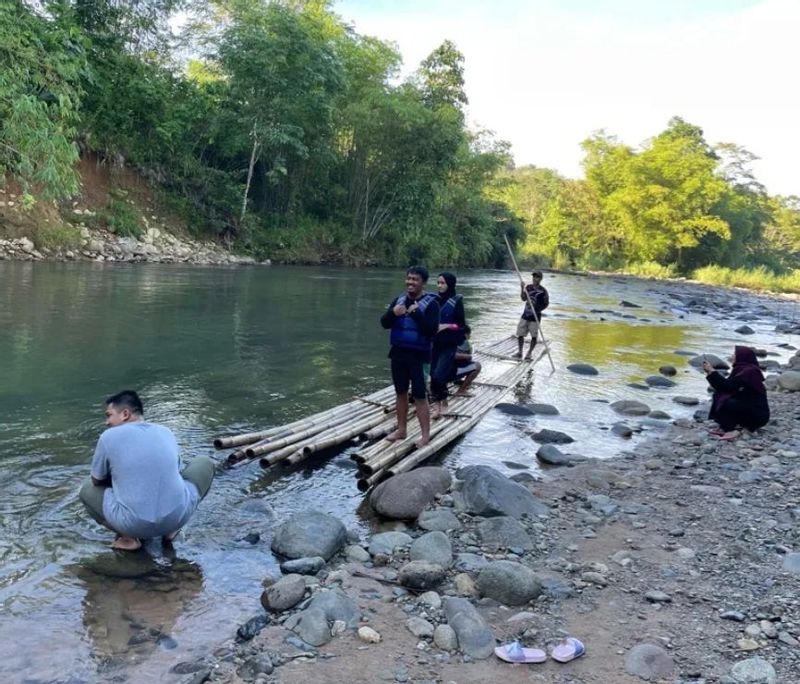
<point x="551" y="437"/>
<point x="543" y="409"/>
<point x="552" y="455"/>
<point x="310" y="533"/>
<point x="514" y="409"/>
<point x="405" y="496"/>
<point x="628" y="407"/>
<point x="582" y="369"/>
<point x="659" y="381"/>
<point x="668" y="370"/>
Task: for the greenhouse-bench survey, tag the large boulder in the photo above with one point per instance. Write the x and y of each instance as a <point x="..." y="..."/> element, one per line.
<point x="475" y="638"/>
<point x="405" y="496"/>
<point x="508" y="582"/>
<point x="309" y="534"/>
<point x="484" y="491"/>
<point x="552" y="455"/>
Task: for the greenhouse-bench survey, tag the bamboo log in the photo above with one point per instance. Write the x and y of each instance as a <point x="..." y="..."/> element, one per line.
<point x="366" y="483"/>
<point x="314" y="429"/>
<point x="340" y="437"/>
<point x="379" y="397"/>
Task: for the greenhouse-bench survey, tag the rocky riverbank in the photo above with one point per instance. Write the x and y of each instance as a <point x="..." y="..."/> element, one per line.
<point x="155" y="245"/>
<point x="676" y="562"/>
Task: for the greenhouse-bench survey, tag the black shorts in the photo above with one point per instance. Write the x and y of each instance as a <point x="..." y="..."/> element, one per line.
<point x="406" y="370"/>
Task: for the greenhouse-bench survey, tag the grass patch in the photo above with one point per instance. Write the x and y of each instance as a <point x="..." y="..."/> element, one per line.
<point x="122" y="217"/>
<point x="56" y="237"/>
<point x="650" y="269"/>
<point x="758" y="278"/>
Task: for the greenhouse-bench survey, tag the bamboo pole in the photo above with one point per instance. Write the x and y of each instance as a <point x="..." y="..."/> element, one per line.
<point x="380" y="397"/>
<point x="366" y="483"/>
<point x="314" y="429"/>
<point x="539" y="330"/>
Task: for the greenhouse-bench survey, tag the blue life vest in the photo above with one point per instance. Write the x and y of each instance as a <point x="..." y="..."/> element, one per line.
<point x="448" y="311"/>
<point x="405" y="332"/>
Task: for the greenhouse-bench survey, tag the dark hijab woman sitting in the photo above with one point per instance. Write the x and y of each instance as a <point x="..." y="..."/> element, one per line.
<point x="740" y="400"/>
<point x="446" y="340"/>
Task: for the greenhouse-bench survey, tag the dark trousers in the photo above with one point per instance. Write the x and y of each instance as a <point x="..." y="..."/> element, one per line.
<point x="442" y="370"/>
<point x="734" y="413"/>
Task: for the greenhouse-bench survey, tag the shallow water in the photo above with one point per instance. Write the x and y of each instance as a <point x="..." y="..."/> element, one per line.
<point x="216" y="350"/>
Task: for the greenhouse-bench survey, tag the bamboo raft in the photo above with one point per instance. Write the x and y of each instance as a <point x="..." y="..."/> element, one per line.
<point x="367" y="420"/>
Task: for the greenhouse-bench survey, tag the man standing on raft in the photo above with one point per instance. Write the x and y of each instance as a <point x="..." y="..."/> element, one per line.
<point x="413" y="319"/>
<point x="529" y="322"/>
<point x="136" y="487"/>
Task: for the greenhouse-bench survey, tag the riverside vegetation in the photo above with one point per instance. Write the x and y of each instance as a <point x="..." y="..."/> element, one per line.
<point x="277" y="130"/>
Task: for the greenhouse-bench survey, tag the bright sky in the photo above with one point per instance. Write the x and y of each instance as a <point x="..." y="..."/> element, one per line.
<point x="544" y="74"/>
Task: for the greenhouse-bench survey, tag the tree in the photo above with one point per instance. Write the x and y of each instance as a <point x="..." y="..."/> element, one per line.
<point x="42" y="60"/>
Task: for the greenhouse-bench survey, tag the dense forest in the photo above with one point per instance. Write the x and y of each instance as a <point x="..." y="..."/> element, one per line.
<point x="277" y="128"/>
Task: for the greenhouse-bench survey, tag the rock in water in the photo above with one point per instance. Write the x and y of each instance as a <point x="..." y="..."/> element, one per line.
<point x="583" y="369"/>
<point x="551" y="437"/>
<point x="405" y="496"/>
<point x="630" y="408"/>
<point x="309" y="534"/>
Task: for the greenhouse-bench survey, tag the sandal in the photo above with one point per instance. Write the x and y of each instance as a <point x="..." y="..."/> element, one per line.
<point x="567" y="650"/>
<point x="514" y="652"/>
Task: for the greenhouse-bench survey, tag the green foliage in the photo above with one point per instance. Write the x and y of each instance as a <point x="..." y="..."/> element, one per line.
<point x="41" y="63"/>
<point x="759" y="278"/>
<point x="650" y="269"/>
<point x="121" y="217"/>
<point x="56" y="237"/>
<point x="289" y="133"/>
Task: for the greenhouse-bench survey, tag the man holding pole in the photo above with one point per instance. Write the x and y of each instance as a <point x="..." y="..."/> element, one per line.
<point x="536" y="299"/>
<point x="413" y="319"/>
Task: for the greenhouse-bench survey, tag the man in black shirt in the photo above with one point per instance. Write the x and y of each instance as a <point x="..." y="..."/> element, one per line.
<point x="529" y="322"/>
<point x="413" y="319"/>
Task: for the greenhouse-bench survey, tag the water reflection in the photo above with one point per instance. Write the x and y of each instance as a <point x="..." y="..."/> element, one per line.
<point x="133" y="603"/>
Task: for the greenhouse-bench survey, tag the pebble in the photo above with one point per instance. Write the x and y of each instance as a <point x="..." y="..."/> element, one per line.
<point x="368" y="635"/>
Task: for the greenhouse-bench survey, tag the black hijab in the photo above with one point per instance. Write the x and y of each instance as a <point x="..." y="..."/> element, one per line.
<point x="450" y="279"/>
<point x="745" y="368"/>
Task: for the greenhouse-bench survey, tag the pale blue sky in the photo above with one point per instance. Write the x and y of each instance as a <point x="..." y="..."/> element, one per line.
<point x="544" y="74"/>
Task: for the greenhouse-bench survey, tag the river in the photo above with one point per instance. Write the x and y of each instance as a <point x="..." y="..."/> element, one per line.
<point x="217" y="350"/>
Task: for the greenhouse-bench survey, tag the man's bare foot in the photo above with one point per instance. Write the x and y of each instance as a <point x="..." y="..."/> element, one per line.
<point x="527" y="357"/>
<point x="436" y="412"/>
<point x="518" y="355"/>
<point x="395" y="436"/>
<point x="123" y="543"/>
<point x="421" y="442"/>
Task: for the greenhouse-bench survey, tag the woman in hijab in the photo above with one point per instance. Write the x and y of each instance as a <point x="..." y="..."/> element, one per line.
<point x="740" y="400"/>
<point x="446" y="341"/>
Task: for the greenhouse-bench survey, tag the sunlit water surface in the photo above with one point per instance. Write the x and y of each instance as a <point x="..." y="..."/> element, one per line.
<point x="217" y="350"/>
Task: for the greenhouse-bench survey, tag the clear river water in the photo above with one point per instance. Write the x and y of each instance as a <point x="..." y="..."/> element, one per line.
<point x="221" y="350"/>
